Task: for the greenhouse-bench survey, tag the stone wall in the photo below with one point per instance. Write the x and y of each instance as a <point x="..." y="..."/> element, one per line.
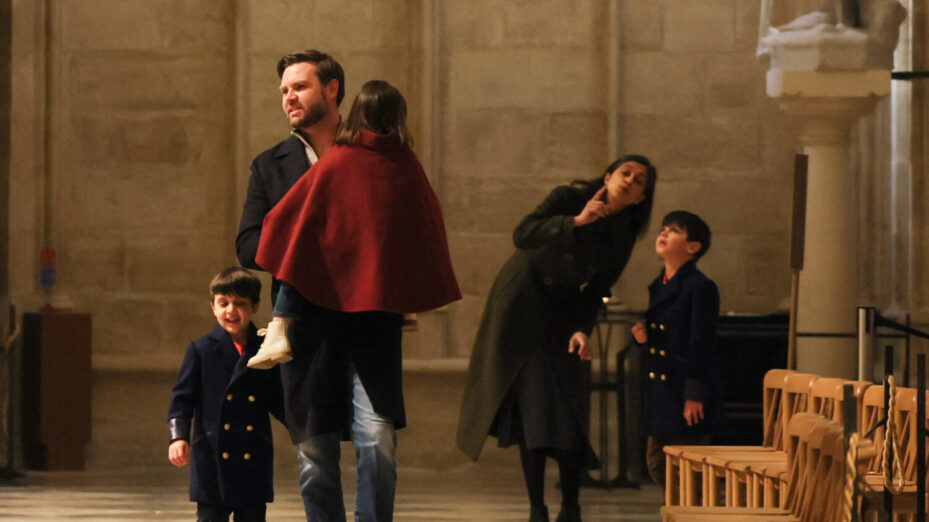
<point x="135" y="120"/>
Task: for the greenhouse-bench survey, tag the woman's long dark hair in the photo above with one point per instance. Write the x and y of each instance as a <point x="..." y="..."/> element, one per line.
<point x="380" y="108"/>
<point x="641" y="212"/>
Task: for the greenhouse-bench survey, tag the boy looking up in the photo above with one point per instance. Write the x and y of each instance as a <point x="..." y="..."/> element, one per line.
<point x="231" y="458"/>
<point x="682" y="399"/>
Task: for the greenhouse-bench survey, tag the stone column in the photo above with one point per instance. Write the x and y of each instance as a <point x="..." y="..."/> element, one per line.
<point x="826" y="104"/>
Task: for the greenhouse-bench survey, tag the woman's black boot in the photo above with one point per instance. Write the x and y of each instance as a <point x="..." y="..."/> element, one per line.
<point x="569" y="513"/>
<point x="538" y="514"/>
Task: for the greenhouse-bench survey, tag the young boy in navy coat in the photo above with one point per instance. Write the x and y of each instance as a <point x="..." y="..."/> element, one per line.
<point x="231" y="455"/>
<point x="682" y="397"/>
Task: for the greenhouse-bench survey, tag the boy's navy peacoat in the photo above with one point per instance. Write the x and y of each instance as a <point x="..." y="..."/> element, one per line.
<point x="231" y="461"/>
<point x="681" y="353"/>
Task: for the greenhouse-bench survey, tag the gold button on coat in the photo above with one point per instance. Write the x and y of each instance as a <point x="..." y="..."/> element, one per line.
<point x="227" y="426"/>
<point x="251" y="398"/>
<point x="651" y="350"/>
<point x="249" y="428"/>
<point x="661" y="327"/>
<point x="662" y="353"/>
<point x="664" y="377"/>
<point x="653" y="326"/>
<point x="247" y="456"/>
<point x="225" y="455"/>
<point x="229" y="397"/>
<point x="651" y="375"/>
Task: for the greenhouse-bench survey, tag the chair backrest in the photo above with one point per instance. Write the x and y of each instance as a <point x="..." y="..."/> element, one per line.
<point x="872" y="412"/>
<point x="794" y="398"/>
<point x="798" y="433"/>
<point x="823" y="398"/>
<point x="858" y="389"/>
<point x="817" y="467"/>
<point x="835" y="496"/>
<point x="906" y="423"/>
<point x="774" y="382"/>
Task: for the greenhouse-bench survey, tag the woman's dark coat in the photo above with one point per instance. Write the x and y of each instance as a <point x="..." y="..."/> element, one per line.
<point x="232" y="458"/>
<point x="552" y="286"/>
<point x="680" y="358"/>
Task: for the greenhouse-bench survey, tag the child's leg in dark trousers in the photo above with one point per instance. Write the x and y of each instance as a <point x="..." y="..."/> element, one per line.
<point x="219" y="513"/>
<point x="254" y="513"/>
<point x="212" y="513"/>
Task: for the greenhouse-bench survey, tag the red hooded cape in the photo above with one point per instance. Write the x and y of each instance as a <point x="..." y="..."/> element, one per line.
<point x="362" y="230"/>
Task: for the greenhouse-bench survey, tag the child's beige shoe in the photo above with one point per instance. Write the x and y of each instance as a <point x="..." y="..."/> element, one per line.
<point x="275" y="348"/>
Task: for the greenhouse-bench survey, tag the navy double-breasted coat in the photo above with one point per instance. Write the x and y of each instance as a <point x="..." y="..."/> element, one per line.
<point x="232" y="458"/>
<point x="681" y="353"/>
<point x="551" y="287"/>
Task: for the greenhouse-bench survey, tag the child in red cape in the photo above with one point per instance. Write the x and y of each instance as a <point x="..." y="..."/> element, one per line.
<point x="358" y="241"/>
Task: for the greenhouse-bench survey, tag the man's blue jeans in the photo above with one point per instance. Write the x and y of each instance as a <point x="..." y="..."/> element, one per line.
<point x="375" y="445"/>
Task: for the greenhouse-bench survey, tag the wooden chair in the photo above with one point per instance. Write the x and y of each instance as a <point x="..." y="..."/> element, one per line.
<point x="824" y="400"/>
<point x="740" y="470"/>
<point x="820" y="457"/>
<point x="905" y="424"/>
<point x="682" y="474"/>
<point x="769" y="481"/>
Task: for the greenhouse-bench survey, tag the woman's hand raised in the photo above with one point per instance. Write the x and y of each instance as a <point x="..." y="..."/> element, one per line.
<point x="593" y="210"/>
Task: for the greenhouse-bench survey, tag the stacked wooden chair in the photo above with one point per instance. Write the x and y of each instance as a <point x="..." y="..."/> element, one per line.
<point x="903" y="479"/>
<point x="743" y="475"/>
<point x="794" y="475"/>
<point x="686" y="466"/>
<point x="818" y="478"/>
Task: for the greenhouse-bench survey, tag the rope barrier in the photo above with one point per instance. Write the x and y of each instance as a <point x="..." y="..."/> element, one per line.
<point x="891" y="444"/>
<point x="851" y="473"/>
<point x="880" y="320"/>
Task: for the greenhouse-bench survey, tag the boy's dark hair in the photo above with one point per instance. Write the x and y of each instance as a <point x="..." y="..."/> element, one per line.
<point x="236" y="281"/>
<point x="327" y="68"/>
<point x="697" y="229"/>
<point x="380" y="108"/>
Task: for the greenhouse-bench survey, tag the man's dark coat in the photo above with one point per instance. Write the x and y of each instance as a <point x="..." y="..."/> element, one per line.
<point x="274" y="172"/>
<point x="232" y="458"/>
<point x="552" y="286"/>
<point x="680" y="357"/>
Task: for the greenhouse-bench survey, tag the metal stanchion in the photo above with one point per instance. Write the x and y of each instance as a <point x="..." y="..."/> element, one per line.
<point x="866" y="332"/>
<point x="921" y="438"/>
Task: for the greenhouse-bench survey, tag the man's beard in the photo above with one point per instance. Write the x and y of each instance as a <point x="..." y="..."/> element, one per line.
<point x="312" y="115"/>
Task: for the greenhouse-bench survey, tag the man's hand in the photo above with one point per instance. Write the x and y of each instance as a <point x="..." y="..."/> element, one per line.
<point x="179" y="452"/>
<point x="693" y="412"/>
<point x="639" y="332"/>
<point x="579" y="344"/>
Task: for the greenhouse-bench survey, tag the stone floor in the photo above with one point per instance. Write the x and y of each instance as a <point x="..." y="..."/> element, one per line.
<point x="128" y="477"/>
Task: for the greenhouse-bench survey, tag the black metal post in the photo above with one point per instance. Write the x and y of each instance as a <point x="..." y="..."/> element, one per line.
<point x="920" y="437"/>
<point x="906" y="354"/>
<point x="622" y="476"/>
<point x="850" y="416"/>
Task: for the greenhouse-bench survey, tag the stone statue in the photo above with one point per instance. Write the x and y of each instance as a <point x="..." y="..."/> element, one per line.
<point x="841" y="35"/>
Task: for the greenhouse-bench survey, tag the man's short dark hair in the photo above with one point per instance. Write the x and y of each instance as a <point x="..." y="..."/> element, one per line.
<point x="327" y="68"/>
<point x="697" y="229"/>
<point x="238" y="282"/>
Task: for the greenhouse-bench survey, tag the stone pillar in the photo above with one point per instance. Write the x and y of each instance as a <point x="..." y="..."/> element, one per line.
<point x="826" y="104"/>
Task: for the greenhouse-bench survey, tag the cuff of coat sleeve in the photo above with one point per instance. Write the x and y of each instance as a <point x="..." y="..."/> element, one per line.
<point x="694" y="390"/>
<point x="179" y="429"/>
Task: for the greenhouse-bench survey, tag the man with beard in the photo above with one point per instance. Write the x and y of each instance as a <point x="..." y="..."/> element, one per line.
<point x="312" y="87"/>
